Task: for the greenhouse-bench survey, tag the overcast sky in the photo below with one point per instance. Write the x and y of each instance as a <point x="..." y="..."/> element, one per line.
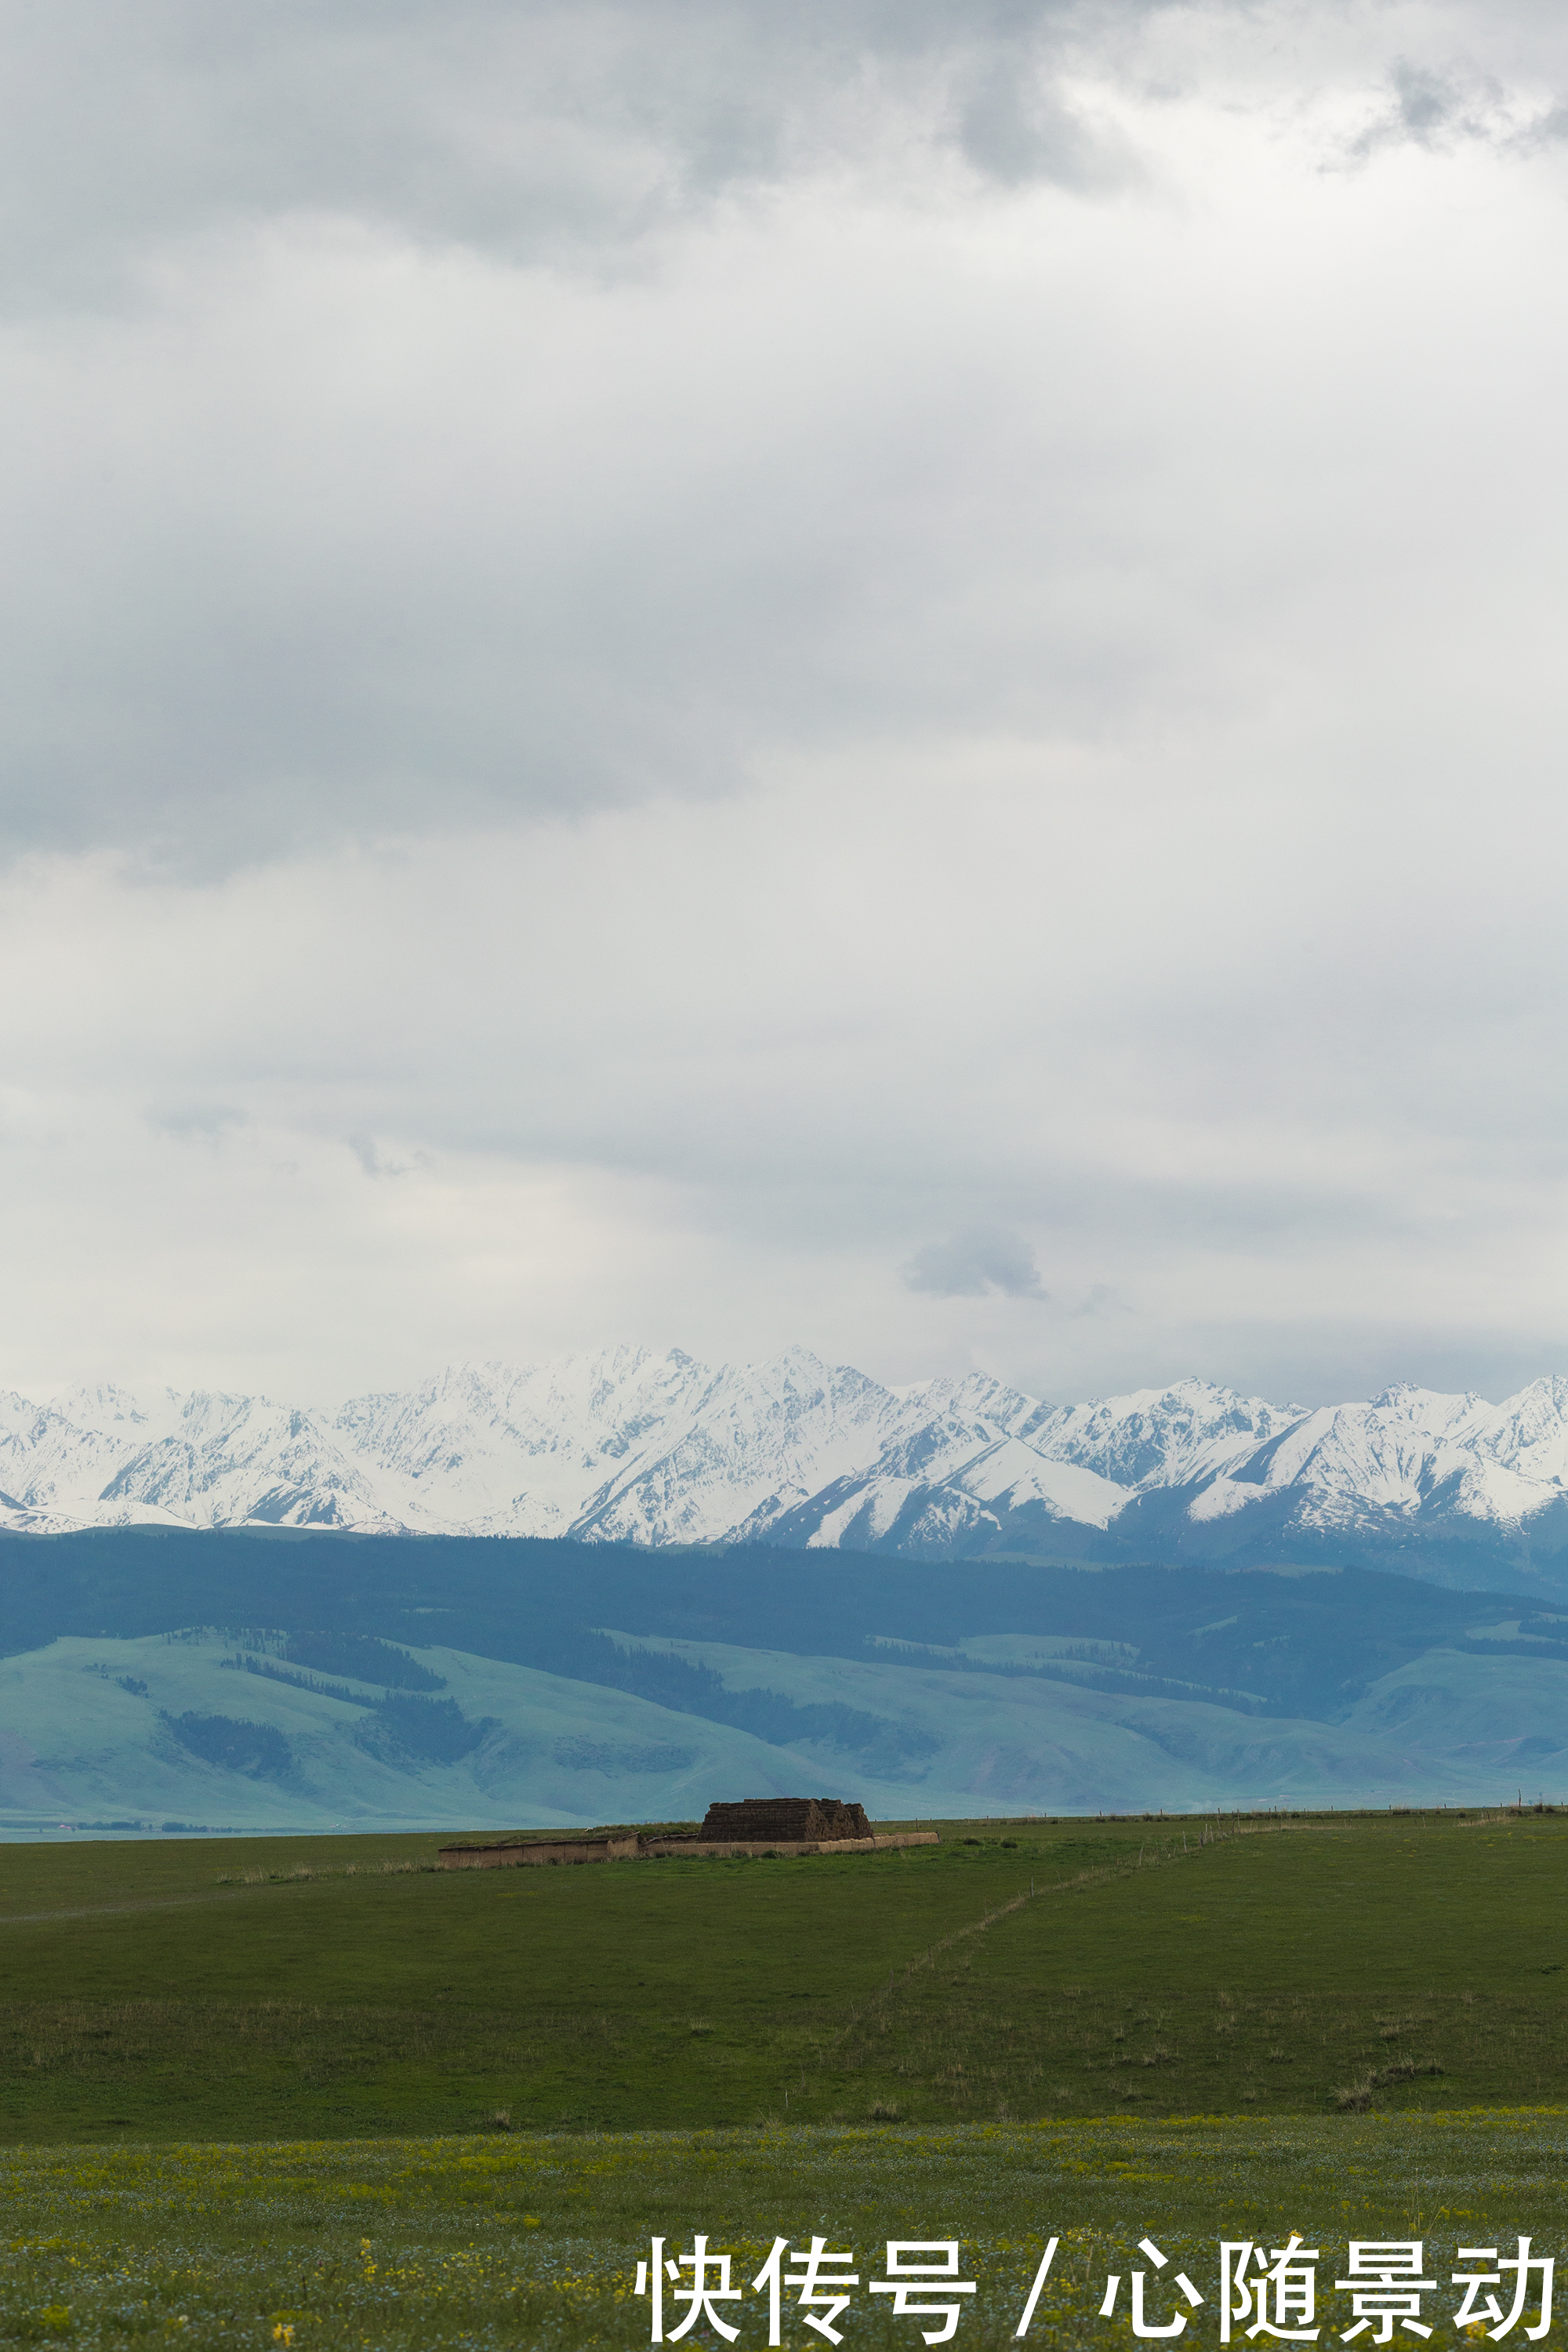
<point x="880" y="673"/>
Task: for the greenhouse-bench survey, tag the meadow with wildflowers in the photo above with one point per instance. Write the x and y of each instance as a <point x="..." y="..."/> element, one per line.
<point x="299" y="2092"/>
<point x="534" y="2240"/>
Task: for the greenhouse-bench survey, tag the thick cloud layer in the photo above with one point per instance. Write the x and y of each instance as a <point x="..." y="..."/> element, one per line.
<point x="880" y="674"/>
<point x="409" y="412"/>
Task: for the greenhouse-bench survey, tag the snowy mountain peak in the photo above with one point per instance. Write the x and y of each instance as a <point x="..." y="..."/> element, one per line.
<point x="96" y="1404"/>
<point x="631" y="1444"/>
<point x="1162" y="1437"/>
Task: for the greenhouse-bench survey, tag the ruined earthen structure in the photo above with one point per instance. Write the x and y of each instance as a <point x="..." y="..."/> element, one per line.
<point x="775" y="1826"/>
<point x="769" y="1821"/>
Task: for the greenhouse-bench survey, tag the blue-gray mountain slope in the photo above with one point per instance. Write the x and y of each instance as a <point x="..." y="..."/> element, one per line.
<point x="247" y="1679"/>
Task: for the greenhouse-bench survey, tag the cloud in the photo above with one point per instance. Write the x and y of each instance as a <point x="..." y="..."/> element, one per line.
<point x="1100" y="1298"/>
<point x="528" y="129"/>
<point x="1442" y="112"/>
<point x="446" y="415"/>
<point x="204" y="1122"/>
<point x="379" y="1159"/>
<point x="332" y="511"/>
<point x="984" y="1259"/>
<point x="743" y="638"/>
<point x="1015" y="128"/>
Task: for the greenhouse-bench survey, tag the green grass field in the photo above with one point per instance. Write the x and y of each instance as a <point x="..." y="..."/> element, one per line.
<point x="1299" y="1968"/>
<point x="314" y="2092"/>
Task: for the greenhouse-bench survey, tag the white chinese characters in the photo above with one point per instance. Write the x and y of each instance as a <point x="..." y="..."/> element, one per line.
<point x="699" y="2297"/>
<point x="1521" y="2265"/>
<point x="912" y="2271"/>
<point x="1384" y="2284"/>
<point x="921" y="2276"/>
<point x="1272" y="2290"/>
<point x="1265" y="2293"/>
<point x="816" y="2280"/>
<point x="1141" y="2323"/>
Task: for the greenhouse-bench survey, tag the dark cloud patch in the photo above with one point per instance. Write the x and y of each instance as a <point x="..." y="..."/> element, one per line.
<point x="204" y="1122"/>
<point x="529" y="128"/>
<point x="982" y="1258"/>
<point x="1427" y="102"/>
<point x="1015" y="132"/>
<point x="417" y="416"/>
<point x="1431" y="110"/>
<point x="378" y="1157"/>
<point x="1442" y="110"/>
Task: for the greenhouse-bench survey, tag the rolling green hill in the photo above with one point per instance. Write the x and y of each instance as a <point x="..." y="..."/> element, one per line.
<point x="246" y="1682"/>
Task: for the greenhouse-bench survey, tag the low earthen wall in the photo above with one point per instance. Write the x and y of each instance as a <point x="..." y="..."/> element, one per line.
<point x="538" y="1852"/>
<point x="563" y="1850"/>
<point x="792" y="1845"/>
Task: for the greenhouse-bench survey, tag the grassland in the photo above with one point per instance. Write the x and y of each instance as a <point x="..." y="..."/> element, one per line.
<point x="330" y="1987"/>
<point x="534" y="2241"/>
<point x="314" y="2093"/>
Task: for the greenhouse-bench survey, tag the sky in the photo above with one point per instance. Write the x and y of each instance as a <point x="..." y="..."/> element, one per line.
<point x="885" y="675"/>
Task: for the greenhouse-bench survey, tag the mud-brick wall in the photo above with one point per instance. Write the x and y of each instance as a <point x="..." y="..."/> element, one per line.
<point x="758" y="1819"/>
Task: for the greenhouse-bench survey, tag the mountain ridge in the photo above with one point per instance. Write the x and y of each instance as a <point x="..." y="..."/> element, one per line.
<point x="627" y="1444"/>
<point x="280" y="1677"/>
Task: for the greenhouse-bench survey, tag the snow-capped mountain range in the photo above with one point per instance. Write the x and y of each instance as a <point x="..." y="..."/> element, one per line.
<point x="631" y="1447"/>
